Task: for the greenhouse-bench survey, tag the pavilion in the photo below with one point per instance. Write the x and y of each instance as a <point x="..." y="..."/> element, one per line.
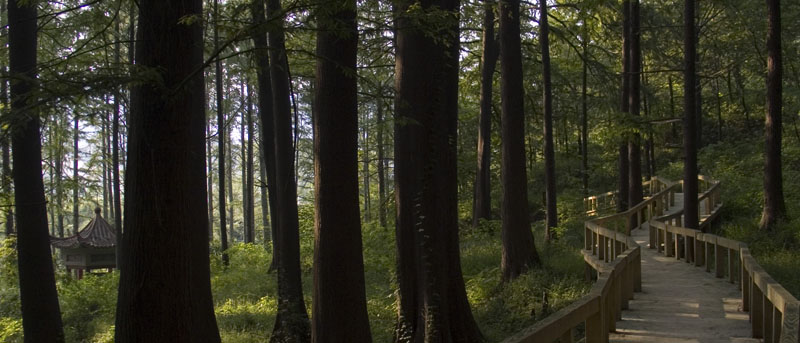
<point x="94" y="247"/>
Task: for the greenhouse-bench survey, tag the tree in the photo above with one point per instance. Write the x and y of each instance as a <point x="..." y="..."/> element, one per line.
<point x="690" y="210"/>
<point x="433" y="304"/>
<point x="339" y="306"/>
<point x="519" y="252"/>
<point x="164" y="288"/>
<point x="41" y="315"/>
<point x="76" y="184"/>
<point x="774" y="205"/>
<point x="221" y="128"/>
<point x="249" y="207"/>
<point x="291" y="322"/>
<point x="266" y="116"/>
<point x="482" y="200"/>
<point x="547" y="99"/>
<point x="634" y="105"/>
<point x="623" y="160"/>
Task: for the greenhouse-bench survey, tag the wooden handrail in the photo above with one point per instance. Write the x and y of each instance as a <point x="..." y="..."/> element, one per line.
<point x="616" y="257"/>
<point x="774" y="312"/>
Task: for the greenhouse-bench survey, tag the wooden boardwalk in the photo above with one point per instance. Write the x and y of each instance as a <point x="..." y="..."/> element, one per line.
<point x="680" y="302"/>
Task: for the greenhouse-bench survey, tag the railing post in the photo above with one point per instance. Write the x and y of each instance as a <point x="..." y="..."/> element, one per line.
<point x="595" y="332"/>
<point x="731" y="262"/>
<point x="688" y="248"/>
<point x="637" y="271"/>
<point x="678" y="246"/>
<point x="699" y="250"/>
<point x="653" y="232"/>
<point x="756" y="311"/>
<point x="708" y="255"/>
<point x="719" y="264"/>
<point x="668" y="244"/>
<point x="567" y="336"/>
<point x="745" y="281"/>
<point x="768" y="334"/>
<point x="777" y="321"/>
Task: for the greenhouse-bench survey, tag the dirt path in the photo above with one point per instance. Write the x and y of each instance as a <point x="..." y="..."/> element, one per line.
<point x="681" y="303"/>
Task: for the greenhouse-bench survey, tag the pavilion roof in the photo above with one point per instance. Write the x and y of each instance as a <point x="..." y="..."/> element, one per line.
<point x="97" y="234"/>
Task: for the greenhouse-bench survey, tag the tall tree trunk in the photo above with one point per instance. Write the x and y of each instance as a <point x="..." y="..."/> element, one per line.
<point x="623" y="159"/>
<point x="60" y="176"/>
<point x="650" y="161"/>
<point x="690" y="211"/>
<point x="433" y="306"/>
<point x="549" y="154"/>
<point x="243" y="164"/>
<point x="210" y="183"/>
<point x="6" y="143"/>
<point x="103" y="135"/>
<point x="774" y="205"/>
<point x="718" y="98"/>
<point x="165" y="290"/>
<point x="339" y="303"/>
<point x="266" y="117"/>
<point x="482" y="194"/>
<point x="262" y="166"/>
<point x="584" y="113"/>
<point x="41" y="316"/>
<point x="634" y="107"/>
<point x="291" y="322"/>
<point x="519" y="252"/>
<point x="698" y="99"/>
<point x="75" y="178"/>
<point x="221" y="128"/>
<point x="229" y="167"/>
<point x="249" y="210"/>
<point x="115" y="159"/>
<point x="381" y="159"/>
<point x="365" y="163"/>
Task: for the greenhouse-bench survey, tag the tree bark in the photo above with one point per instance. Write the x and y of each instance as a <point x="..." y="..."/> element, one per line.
<point x="365" y="163"/>
<point x="41" y="315"/>
<point x="339" y="302"/>
<point x="482" y="195"/>
<point x="75" y="178"/>
<point x="519" y="251"/>
<point x="266" y="117"/>
<point x="432" y="301"/>
<point x="690" y="210"/>
<point x="549" y="154"/>
<point x="291" y="322"/>
<point x="634" y="107"/>
<point x="249" y="209"/>
<point x="381" y="160"/>
<point x="115" y="161"/>
<point x="774" y="205"/>
<point x="221" y="128"/>
<point x="165" y="290"/>
<point x="584" y="113"/>
<point x="623" y="159"/>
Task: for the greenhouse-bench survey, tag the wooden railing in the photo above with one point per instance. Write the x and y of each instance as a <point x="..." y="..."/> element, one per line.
<point x="774" y="312"/>
<point x="616" y="258"/>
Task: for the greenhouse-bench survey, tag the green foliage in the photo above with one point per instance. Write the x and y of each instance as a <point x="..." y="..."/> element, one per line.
<point x="10" y="316"/>
<point x="88" y="306"/>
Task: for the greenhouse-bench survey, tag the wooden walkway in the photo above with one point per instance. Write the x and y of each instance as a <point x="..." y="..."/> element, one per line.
<point x="680" y="302"/>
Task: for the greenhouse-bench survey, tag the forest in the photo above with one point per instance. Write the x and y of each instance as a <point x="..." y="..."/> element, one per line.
<point x="370" y="171"/>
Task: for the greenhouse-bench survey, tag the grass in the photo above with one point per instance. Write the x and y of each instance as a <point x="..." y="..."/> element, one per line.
<point x="244" y="293"/>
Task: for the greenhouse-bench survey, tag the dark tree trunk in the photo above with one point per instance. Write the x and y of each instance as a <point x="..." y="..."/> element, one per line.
<point x="266" y="117"/>
<point x="623" y="159"/>
<point x="221" y="128"/>
<point x="264" y="202"/>
<point x="482" y="196"/>
<point x="243" y="163"/>
<point x="6" y="145"/>
<point x="103" y="148"/>
<point x="365" y="163"/>
<point x="117" y="199"/>
<point x="41" y="316"/>
<point x="519" y="252"/>
<point x="381" y="159"/>
<point x="690" y="211"/>
<point x="249" y="209"/>
<point x="75" y="178"/>
<point x="584" y="114"/>
<point x="165" y="290"/>
<point x="698" y="99"/>
<point x="229" y="166"/>
<point x="549" y="153"/>
<point x="774" y="205"/>
<point x="339" y="302"/>
<point x="634" y="107"/>
<point x="432" y="300"/>
<point x="210" y="183"/>
<point x="59" y="179"/>
<point x="291" y="322"/>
